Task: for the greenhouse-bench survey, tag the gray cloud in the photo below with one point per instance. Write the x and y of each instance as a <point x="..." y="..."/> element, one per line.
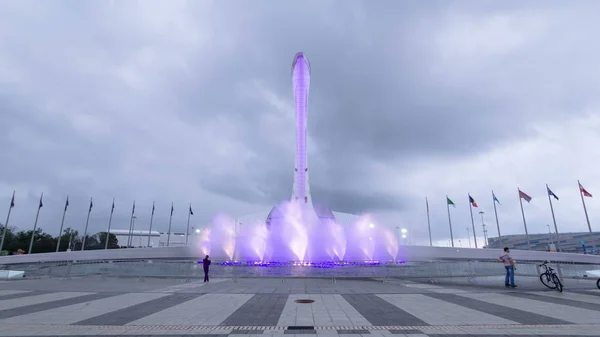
<point x="191" y="101"/>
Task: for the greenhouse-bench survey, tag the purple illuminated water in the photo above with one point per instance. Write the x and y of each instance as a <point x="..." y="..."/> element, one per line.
<point x="298" y="236"/>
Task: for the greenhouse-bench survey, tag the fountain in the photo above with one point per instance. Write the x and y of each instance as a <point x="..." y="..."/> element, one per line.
<point x="296" y="231"/>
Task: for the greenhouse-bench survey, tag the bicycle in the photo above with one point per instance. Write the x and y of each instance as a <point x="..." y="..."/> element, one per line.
<point x="549" y="278"/>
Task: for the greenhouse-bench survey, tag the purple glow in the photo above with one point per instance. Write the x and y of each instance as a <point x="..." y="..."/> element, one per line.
<point x="301" y="87"/>
<point x="297" y="232"/>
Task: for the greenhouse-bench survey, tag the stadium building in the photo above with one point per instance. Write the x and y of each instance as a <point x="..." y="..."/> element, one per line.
<point x="580" y="242"/>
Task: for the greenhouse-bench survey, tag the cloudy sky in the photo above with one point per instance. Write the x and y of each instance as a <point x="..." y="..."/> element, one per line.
<point x="191" y="101"/>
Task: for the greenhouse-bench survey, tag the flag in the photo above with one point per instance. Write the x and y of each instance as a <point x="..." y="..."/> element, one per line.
<point x="191" y="213"/>
<point x="67" y="203"/>
<point x="584" y="191"/>
<point x="12" y="201"/>
<point x="550" y="193"/>
<point x="524" y="196"/>
<point x="133" y="208"/>
<point x="496" y="199"/>
<point x="472" y="201"/>
<point x="153" y="208"/>
<point x="41" y="203"/>
<point x="450" y="202"/>
<point x="113" y="206"/>
<point x="172" y="209"/>
<point x="91" y="205"/>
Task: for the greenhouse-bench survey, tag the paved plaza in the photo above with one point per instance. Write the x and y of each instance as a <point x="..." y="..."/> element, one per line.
<point x="268" y="306"/>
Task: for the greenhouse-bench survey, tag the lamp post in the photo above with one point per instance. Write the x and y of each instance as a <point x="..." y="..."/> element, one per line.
<point x="485" y="235"/>
<point x="459" y="243"/>
<point x="481" y="213"/>
<point x="469" y="236"/>
<point x="404" y="233"/>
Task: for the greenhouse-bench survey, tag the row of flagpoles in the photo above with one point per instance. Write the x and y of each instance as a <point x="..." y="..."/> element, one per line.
<point x="522" y="196"/>
<point x="112" y="209"/>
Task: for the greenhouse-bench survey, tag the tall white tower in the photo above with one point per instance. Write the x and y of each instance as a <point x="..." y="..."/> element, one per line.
<point x="301" y="87"/>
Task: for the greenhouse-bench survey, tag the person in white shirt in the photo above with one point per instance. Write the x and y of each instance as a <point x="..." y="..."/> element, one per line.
<point x="509" y="265"/>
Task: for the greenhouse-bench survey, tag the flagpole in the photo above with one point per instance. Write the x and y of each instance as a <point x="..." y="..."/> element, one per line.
<point x="187" y="231"/>
<point x="429" y="222"/>
<point x="169" y="231"/>
<point x="524" y="222"/>
<point x="472" y="221"/>
<point x="129" y="239"/>
<point x="587" y="218"/>
<point x="112" y="209"/>
<point x="553" y="218"/>
<point x="151" y="219"/>
<point x="62" y="223"/>
<point x="37" y="215"/>
<point x="449" y="221"/>
<point x="496" y="214"/>
<point x="7" y="219"/>
<point x="87" y="221"/>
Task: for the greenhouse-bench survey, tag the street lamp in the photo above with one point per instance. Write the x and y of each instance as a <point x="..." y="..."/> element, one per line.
<point x="404" y="235"/>
<point x="469" y="235"/>
<point x="550" y="237"/>
<point x="459" y="243"/>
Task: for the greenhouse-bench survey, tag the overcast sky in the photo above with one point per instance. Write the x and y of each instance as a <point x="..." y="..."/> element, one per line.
<point x="191" y="101"/>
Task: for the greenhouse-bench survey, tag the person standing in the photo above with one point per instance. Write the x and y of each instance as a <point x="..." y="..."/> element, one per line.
<point x="206" y="264"/>
<point x="509" y="265"/>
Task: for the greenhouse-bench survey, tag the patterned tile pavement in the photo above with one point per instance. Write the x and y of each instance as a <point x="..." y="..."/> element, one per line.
<point x="124" y="307"/>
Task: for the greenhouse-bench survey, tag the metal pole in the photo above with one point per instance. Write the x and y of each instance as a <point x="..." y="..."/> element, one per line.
<point x="587" y="218"/>
<point x="450" y="222"/>
<point x="109" y="223"/>
<point x="496" y="214"/>
<point x="62" y="223"/>
<point x="553" y="219"/>
<point x="550" y="235"/>
<point x="150" y="230"/>
<point x="187" y="231"/>
<point x="169" y="231"/>
<point x="469" y="235"/>
<point x="429" y="222"/>
<point x="132" y="229"/>
<point x="7" y="219"/>
<point x="131" y="225"/>
<point x="87" y="221"/>
<point x="524" y="222"/>
<point x="473" y="223"/>
<point x="37" y="215"/>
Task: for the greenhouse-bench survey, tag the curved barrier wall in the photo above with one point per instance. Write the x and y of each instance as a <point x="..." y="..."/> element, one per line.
<point x="405" y="254"/>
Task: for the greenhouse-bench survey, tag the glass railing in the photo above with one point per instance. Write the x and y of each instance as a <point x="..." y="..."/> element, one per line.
<point x="348" y="269"/>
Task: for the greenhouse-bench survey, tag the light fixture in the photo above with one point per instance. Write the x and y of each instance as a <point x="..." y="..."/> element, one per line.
<point x="403" y="231"/>
<point x="404" y="236"/>
<point x="371" y="225"/>
<point x="197" y="230"/>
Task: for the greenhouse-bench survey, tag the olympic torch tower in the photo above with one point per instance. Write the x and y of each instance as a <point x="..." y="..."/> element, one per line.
<point x="301" y="87"/>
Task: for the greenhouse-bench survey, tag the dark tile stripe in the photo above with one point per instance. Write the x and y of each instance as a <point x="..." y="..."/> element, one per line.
<point x="261" y="309"/>
<point x="554" y="300"/>
<point x="380" y="312"/>
<point x="408" y="332"/>
<point x="28" y="309"/>
<point x="513" y="314"/>
<point x="135" y="312"/>
<point x="29" y="293"/>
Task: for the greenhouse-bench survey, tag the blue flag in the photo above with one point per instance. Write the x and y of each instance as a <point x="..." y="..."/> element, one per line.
<point x="496" y="199"/>
<point x="550" y="193"/>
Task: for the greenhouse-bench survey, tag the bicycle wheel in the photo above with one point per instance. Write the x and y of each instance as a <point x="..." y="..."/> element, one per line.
<point x="546" y="279"/>
<point x="556" y="281"/>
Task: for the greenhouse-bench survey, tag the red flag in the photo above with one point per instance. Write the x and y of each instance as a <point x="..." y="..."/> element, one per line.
<point x="472" y="201"/>
<point x="584" y="192"/>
